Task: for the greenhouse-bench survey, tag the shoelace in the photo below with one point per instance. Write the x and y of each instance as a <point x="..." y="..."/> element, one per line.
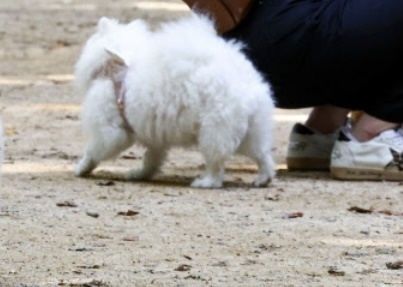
<point x="397" y="137"/>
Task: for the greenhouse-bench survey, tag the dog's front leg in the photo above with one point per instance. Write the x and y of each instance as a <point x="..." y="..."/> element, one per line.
<point x="152" y="161"/>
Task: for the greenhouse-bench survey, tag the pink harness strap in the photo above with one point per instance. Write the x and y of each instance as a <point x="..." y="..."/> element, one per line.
<point x="120" y="92"/>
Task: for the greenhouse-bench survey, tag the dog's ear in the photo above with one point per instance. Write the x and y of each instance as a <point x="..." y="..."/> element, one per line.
<point x="116" y="58"/>
<point x="104" y="24"/>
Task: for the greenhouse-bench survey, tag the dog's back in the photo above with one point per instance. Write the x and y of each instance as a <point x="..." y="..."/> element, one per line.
<point x="195" y="76"/>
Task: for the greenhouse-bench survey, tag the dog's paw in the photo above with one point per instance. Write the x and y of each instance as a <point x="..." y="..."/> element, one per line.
<point x="84" y="167"/>
<point x="262" y="181"/>
<point x="206" y="182"/>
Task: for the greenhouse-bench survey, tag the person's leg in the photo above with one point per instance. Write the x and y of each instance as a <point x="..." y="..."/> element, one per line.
<point x="327" y="119"/>
<point x="368" y="127"/>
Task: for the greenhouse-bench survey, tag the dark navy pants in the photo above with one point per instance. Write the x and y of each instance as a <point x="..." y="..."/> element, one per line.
<point x="347" y="53"/>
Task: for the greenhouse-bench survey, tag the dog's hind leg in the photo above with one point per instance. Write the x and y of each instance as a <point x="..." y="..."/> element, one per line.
<point x="257" y="146"/>
<point x="103" y="146"/>
<point x="265" y="164"/>
<point x="217" y="141"/>
<point x="152" y="160"/>
<point x="85" y="165"/>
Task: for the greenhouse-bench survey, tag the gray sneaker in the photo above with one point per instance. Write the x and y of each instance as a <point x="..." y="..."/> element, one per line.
<point x="378" y="159"/>
<point x="309" y="150"/>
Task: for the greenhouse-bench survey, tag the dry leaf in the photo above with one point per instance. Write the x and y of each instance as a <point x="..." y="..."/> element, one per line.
<point x="395" y="265"/>
<point x="363" y="210"/>
<point x="183" y="267"/>
<point x="359" y="209"/>
<point x="106" y="183"/>
<point x="130" y="157"/>
<point x="66" y="203"/>
<point x="134" y="238"/>
<point x="295" y="215"/>
<point x="82" y="282"/>
<point x="187" y="257"/>
<point x="128" y="213"/>
<point x="275" y="197"/>
<point x="391" y="213"/>
<point x="335" y="272"/>
<point x="96" y="266"/>
<point x="80" y="249"/>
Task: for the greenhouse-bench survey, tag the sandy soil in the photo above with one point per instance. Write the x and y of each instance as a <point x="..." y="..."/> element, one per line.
<point x="59" y="230"/>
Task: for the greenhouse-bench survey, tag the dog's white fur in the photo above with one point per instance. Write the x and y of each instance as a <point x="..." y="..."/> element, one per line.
<point x="183" y="85"/>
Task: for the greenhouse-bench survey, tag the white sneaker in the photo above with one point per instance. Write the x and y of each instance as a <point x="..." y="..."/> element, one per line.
<point x="308" y="149"/>
<point x="378" y="159"/>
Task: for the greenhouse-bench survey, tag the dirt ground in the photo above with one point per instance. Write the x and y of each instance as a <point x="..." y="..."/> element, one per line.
<point x="59" y="230"/>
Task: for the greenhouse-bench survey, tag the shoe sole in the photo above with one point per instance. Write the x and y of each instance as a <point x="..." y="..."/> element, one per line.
<point x="343" y="173"/>
<point x="307" y="163"/>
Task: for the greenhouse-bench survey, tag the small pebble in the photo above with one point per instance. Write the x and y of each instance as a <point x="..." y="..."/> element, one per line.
<point x="92" y="214"/>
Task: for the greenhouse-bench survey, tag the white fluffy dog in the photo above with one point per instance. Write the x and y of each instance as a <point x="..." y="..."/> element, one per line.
<point x="180" y="85"/>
